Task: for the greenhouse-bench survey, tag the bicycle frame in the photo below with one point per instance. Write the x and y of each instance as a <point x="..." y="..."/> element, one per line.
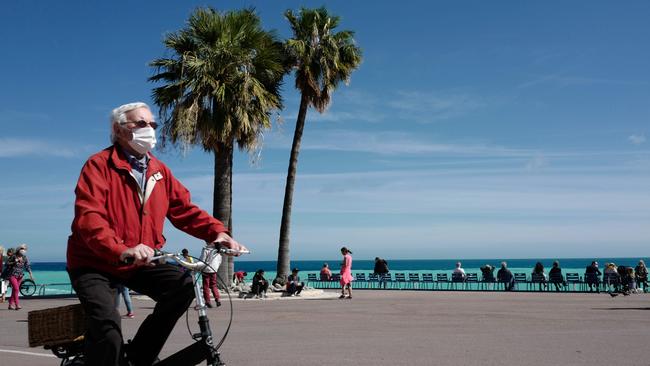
<point x="203" y="349"/>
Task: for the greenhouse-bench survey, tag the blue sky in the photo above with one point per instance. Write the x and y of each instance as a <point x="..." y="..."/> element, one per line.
<point x="472" y="129"/>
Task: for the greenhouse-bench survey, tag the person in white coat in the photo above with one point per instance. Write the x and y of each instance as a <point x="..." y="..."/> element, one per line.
<point x="209" y="275"/>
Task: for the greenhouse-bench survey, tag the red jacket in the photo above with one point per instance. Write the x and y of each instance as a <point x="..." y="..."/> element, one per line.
<point x="109" y="215"/>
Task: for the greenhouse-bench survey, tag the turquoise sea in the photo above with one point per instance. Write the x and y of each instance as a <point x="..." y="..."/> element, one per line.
<point x="56" y="281"/>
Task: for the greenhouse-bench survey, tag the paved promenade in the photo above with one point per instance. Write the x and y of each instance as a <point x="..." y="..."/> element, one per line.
<point x="401" y="328"/>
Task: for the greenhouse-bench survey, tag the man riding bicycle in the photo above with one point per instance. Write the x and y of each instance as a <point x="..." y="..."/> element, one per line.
<point x="123" y="196"/>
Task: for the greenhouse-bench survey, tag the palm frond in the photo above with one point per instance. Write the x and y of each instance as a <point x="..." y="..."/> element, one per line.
<point x="322" y="57"/>
<point x="222" y="82"/>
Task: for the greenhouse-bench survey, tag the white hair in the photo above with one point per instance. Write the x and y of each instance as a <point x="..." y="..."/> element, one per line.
<point x="119" y="114"/>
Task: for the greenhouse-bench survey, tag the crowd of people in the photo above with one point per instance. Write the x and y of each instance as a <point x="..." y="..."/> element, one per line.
<point x="259" y="285"/>
<point x="294" y="285"/>
<point x="621" y="279"/>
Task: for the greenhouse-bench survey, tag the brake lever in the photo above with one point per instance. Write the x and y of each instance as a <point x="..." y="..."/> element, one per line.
<point x="233" y="251"/>
<point x="157" y="254"/>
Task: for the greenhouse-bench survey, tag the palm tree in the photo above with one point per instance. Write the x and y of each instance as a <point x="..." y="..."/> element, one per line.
<point x="322" y="59"/>
<point x="221" y="85"/>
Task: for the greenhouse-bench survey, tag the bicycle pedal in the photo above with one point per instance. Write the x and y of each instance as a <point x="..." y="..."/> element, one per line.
<point x="196" y="336"/>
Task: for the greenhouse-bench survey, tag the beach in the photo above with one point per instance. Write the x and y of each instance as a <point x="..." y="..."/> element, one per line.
<point x="400" y="328"/>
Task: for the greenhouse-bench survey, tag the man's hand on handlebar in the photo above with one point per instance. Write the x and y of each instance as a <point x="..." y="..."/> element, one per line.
<point x="139" y="255"/>
<point x="224" y="240"/>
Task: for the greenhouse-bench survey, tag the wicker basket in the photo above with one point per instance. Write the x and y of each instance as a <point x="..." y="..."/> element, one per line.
<point x="55" y="326"/>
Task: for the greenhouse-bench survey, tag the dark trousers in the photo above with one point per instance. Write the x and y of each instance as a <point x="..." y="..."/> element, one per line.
<point x="595" y="284"/>
<point x="171" y="289"/>
<point x="509" y="284"/>
<point x="292" y="288"/>
<point x="258" y="288"/>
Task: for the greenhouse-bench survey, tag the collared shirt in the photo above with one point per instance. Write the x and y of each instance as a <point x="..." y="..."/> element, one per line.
<point x="138" y="168"/>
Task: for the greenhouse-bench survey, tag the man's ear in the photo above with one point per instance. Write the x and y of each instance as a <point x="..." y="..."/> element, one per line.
<point x="116" y="129"/>
<point x="121" y="133"/>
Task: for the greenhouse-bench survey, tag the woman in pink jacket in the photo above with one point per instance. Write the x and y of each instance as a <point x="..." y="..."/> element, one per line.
<point x="346" y="273"/>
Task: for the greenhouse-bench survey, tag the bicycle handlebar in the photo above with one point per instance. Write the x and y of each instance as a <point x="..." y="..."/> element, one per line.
<point x="196" y="266"/>
<point x="178" y="257"/>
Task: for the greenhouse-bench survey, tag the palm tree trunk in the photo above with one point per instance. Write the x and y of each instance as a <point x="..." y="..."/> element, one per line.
<point x="231" y="260"/>
<point x="222" y="197"/>
<point x="285" y="226"/>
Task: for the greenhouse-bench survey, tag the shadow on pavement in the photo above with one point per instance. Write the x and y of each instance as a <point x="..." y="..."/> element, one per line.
<point x="648" y="308"/>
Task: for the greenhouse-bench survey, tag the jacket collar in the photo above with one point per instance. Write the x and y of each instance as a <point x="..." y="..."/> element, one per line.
<point x="120" y="161"/>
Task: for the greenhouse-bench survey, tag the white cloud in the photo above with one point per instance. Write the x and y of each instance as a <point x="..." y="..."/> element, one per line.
<point x="346" y="106"/>
<point x="637" y="139"/>
<point x="430" y="106"/>
<point x="568" y="80"/>
<point x="341" y="116"/>
<point x="536" y="162"/>
<point x="403" y="145"/>
<point x="390" y="143"/>
<point x="14" y="116"/>
<point x="18" y="147"/>
<point x="444" y="212"/>
<point x="417" y="106"/>
<point x="443" y="192"/>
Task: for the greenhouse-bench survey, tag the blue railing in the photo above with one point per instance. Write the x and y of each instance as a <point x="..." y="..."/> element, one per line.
<point x="572" y="282"/>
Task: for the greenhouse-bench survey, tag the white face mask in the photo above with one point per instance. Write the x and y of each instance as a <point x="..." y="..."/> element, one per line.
<point x="144" y="139"/>
<point x="22" y="251"/>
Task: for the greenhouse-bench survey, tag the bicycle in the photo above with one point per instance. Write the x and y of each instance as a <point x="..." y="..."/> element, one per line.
<point x="70" y="350"/>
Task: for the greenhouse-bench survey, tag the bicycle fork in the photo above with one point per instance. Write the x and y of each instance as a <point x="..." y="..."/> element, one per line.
<point x="203" y="349"/>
